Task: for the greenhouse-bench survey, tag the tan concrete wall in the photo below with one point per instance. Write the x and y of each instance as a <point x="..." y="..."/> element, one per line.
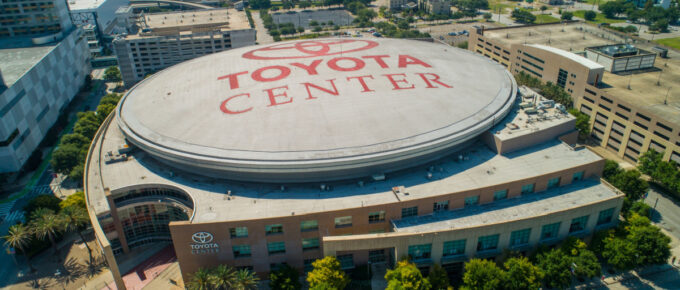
<point x="294" y="256"/>
<point x="334" y="245"/>
<point x="599" y="102"/>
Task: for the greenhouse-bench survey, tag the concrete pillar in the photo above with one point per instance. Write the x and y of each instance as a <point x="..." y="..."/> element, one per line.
<point x="116" y="221"/>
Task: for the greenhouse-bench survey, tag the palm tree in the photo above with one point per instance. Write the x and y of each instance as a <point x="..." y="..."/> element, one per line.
<point x="246" y="280"/>
<point x="224" y="277"/>
<point x="46" y="225"/>
<point x="201" y="280"/>
<point x="18" y="237"/>
<point x="75" y="218"/>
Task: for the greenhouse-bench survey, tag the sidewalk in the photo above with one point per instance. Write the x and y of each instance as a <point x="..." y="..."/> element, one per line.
<point x="262" y="36"/>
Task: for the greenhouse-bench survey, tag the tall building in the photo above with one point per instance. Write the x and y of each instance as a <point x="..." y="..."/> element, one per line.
<point x="43" y="63"/>
<point x="436" y="6"/>
<point x="49" y="18"/>
<point x="367" y="150"/>
<point x="630" y="94"/>
<point x="165" y="39"/>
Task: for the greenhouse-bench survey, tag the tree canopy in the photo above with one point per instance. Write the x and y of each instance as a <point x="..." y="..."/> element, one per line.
<point x="406" y="276"/>
<point x="327" y="273"/>
<point x="482" y="274"/>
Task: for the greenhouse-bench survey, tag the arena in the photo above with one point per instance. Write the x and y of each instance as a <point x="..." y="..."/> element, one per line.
<point x="369" y="150"/>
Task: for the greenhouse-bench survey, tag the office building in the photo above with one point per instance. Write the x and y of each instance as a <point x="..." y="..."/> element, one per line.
<point x="166" y="39"/>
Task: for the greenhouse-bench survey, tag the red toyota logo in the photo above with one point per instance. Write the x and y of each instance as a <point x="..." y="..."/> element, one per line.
<point x="311" y="48"/>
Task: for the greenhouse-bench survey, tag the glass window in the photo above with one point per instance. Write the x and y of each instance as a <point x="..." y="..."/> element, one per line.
<point x="562" y="78"/>
<point x="241" y="251"/>
<point x="578" y="224"/>
<point x="376" y="217"/>
<point x="310" y="244"/>
<point x="343" y="221"/>
<point x="519" y="238"/>
<point x="605" y="216"/>
<point x="487" y="243"/>
<point x="441" y="206"/>
<point x="418" y="252"/>
<point x="577" y="176"/>
<point x="309" y="225"/>
<point x="276" y="247"/>
<point x="550" y="231"/>
<point x="453" y="248"/>
<point x="273" y="229"/>
<point x="553" y="182"/>
<point x="238" y="232"/>
<point x="409" y="212"/>
<point x="471" y="200"/>
<point x="501" y="194"/>
<point x="528" y="188"/>
<point x="346" y="261"/>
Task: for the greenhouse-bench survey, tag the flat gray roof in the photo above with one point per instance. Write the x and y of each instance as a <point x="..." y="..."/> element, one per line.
<point x="644" y="91"/>
<point x="274" y="109"/>
<point x="17" y="57"/>
<point x="480" y="167"/>
<point x="558" y="199"/>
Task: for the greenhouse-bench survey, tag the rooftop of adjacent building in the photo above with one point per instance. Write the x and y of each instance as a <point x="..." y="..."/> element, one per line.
<point x="576" y="37"/>
<point x="220" y="18"/>
<point x="475" y="167"/>
<point x="531" y="113"/>
<point x="18" y="55"/>
<point x="558" y="199"/>
<point x="84" y="5"/>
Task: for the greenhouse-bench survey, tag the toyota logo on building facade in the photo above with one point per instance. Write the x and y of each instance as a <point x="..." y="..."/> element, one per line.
<point x="310" y="48"/>
<point x="202" y="237"/>
<point x="203" y="244"/>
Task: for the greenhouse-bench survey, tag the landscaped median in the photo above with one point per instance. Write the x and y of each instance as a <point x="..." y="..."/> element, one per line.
<point x="670" y="42"/>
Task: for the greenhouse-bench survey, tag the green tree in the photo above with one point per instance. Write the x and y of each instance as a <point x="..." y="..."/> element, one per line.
<point x="556" y="266"/>
<point x="619" y="253"/>
<point x="583" y="261"/>
<point x="640" y="208"/>
<point x="65" y="157"/>
<point x="18" y="236"/>
<point x="78" y="140"/>
<point x="649" y="161"/>
<point x="87" y="124"/>
<point x="103" y="111"/>
<point x="523" y="16"/>
<point x="611" y="168"/>
<point x="543" y="8"/>
<point x="406" y="276"/>
<point x="110" y="99"/>
<point x="75" y="218"/>
<point x="200" y="280"/>
<point x="651" y="245"/>
<point x="77" y="199"/>
<point x="46" y="225"/>
<point x="582" y="123"/>
<point x="223" y="277"/>
<point x="482" y="274"/>
<point x="438" y="278"/>
<point x="590" y="15"/>
<point x="522" y="274"/>
<point x="487" y="16"/>
<point x="112" y="74"/>
<point x="47" y="201"/>
<point x="285" y="278"/>
<point x="245" y="280"/>
<point x="630" y="183"/>
<point x="327" y="272"/>
<point x="567" y="15"/>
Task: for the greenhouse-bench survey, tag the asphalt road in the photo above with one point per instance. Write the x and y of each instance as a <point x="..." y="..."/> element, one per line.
<point x="667" y="212"/>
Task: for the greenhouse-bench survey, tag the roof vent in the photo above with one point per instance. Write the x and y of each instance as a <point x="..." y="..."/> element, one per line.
<point x="378" y="176"/>
<point x="429" y="175"/>
<point x="360" y="183"/>
<point x="283" y="188"/>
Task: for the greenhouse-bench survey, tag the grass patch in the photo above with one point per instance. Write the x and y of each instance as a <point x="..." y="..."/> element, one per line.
<point x="598" y="2"/>
<point x="671" y="42"/>
<point x="504" y="7"/>
<point x="545" y="18"/>
<point x="600" y="18"/>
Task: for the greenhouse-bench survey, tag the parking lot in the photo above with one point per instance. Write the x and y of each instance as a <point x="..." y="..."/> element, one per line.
<point x="303" y="18"/>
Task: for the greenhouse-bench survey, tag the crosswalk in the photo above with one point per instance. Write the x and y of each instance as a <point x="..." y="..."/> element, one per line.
<point x="17" y="215"/>
<point x="45" y="189"/>
<point x="5" y="208"/>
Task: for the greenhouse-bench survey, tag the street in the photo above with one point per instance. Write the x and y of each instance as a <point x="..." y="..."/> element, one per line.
<point x="667" y="212"/>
